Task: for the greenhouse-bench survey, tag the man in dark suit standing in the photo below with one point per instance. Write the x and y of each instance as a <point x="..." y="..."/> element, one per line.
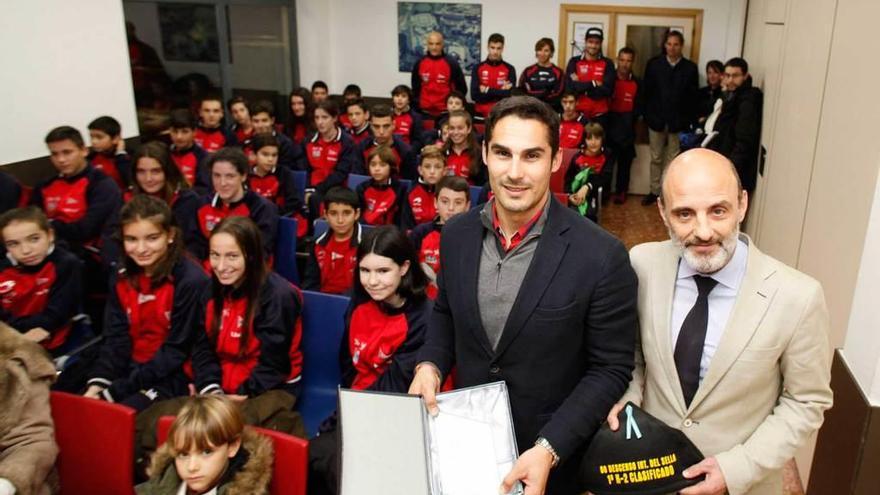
<point x="535" y="295"/>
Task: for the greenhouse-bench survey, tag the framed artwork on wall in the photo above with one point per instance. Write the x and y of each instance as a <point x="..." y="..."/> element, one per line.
<point x="460" y="23"/>
<point x="189" y="32"/>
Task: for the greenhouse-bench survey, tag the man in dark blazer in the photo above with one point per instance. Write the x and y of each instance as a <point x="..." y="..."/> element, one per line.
<point x="533" y="294"/>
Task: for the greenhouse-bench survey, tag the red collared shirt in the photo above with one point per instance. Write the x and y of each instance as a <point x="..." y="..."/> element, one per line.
<point x="517" y="236"/>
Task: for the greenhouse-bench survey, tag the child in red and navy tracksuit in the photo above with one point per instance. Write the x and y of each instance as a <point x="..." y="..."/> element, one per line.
<point x="290" y="154"/>
<point x="383" y="334"/>
<point x="155" y="174"/>
<point x="333" y="256"/>
<point x="463" y="154"/>
<point x="382" y="125"/>
<point x="359" y="117"/>
<point x="40" y="282"/>
<point x="418" y="204"/>
<point x="407" y="123"/>
<point x="543" y="80"/>
<point x="330" y="154"/>
<point x="275" y="183"/>
<point x="433" y="77"/>
<point x="248" y="338"/>
<point x="152" y="311"/>
<point x="81" y="202"/>
<point x="571" y="122"/>
<point x="596" y="157"/>
<point x="381" y="197"/>
<point x="492" y="79"/>
<point x="210" y="134"/>
<point x="241" y="126"/>
<point x="229" y="174"/>
<point x="591" y="76"/>
<point x="453" y="197"/>
<point x="108" y="150"/>
<point x="187" y="155"/>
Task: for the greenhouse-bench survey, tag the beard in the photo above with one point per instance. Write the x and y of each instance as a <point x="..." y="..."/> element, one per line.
<point x="708" y="263"/>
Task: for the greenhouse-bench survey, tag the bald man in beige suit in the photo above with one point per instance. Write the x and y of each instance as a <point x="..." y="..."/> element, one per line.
<point x="734" y="346"/>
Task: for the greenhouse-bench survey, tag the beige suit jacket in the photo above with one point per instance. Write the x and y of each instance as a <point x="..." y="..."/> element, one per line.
<point x="769" y="382"/>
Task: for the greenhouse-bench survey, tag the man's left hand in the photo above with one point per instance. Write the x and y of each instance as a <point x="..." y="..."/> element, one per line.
<point x="532" y="468"/>
<point x="714" y="483"/>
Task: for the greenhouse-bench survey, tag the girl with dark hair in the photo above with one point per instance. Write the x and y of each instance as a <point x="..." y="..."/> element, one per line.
<point x="710" y="93"/>
<point x="151" y="311"/>
<point x="385" y="328"/>
<point x="229" y="176"/>
<point x="463" y="155"/>
<point x="250" y="341"/>
<point x="40" y="283"/>
<point x="302" y="108"/>
<point x="156" y="174"/>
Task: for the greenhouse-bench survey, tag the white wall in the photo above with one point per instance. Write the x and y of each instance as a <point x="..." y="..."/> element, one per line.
<point x="346" y="41"/>
<point x="63" y="63"/>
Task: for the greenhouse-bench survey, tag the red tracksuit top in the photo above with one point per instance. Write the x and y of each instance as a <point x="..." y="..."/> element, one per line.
<point x="407" y="126"/>
<point x="115" y="165"/>
<point x="240" y="134"/>
<point x="212" y="210"/>
<point x="571" y="132"/>
<point x="149" y="329"/>
<point x="272" y="355"/>
<point x="329" y="162"/>
<point x="624" y="98"/>
<point x="458" y="164"/>
<point x="492" y="74"/>
<point x="426" y="239"/>
<point x="331" y="265"/>
<point x="212" y="140"/>
<point x="433" y="79"/>
<point x="358" y="136"/>
<point x="596" y="163"/>
<point x="419" y="205"/>
<point x="47" y="295"/>
<point x="380" y="344"/>
<point x="592" y="100"/>
<point x="190" y="164"/>
<point x="380" y="203"/>
<point x="79" y="206"/>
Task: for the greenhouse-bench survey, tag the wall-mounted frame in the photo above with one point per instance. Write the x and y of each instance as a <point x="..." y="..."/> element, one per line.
<point x="641" y="28"/>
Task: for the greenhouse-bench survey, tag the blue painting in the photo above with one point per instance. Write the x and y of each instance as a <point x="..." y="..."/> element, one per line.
<point x="460" y="23"/>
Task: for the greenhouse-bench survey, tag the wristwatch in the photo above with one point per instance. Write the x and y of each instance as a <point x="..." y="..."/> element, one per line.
<point x="543" y="442"/>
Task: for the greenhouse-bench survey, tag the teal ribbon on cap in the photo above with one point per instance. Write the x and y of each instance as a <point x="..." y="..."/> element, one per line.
<point x="631" y="426"/>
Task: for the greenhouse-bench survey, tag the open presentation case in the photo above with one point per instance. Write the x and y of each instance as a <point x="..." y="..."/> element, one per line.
<point x="391" y="445"/>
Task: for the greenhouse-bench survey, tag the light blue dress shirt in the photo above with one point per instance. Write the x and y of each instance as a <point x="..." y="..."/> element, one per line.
<point x="721" y="300"/>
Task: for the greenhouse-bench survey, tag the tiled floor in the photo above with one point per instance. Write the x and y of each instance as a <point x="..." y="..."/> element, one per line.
<point x="634" y="224"/>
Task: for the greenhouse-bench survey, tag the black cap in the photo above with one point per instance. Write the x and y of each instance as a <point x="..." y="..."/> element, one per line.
<point x="594" y="32"/>
<point x="643" y="457"/>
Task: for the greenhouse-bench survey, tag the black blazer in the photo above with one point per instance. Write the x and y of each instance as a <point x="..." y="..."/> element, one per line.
<point x="566" y="351"/>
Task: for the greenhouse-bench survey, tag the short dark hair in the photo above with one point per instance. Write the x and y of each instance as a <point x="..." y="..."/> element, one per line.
<point x="27" y="214"/>
<point x="263" y="106"/>
<point x="388" y="241"/>
<point x="380" y="110"/>
<point x="341" y="195"/>
<point x="402" y="89"/>
<point x="545" y="42"/>
<point x="328" y="106"/>
<point x="320" y="84"/>
<point x="212" y="97"/>
<point x="627" y="50"/>
<point x="496" y="38"/>
<point x="455" y="183"/>
<point x="106" y="124"/>
<point x="715" y="64"/>
<point x="456" y="94"/>
<point x="671" y="32"/>
<point x="64" y="133"/>
<point x="230" y="154"/>
<point x="263" y="139"/>
<point x="738" y="62"/>
<point x="528" y="108"/>
<point x="237" y="99"/>
<point x="567" y="93"/>
<point x="352" y="89"/>
<point x="182" y="118"/>
<point x="357" y="103"/>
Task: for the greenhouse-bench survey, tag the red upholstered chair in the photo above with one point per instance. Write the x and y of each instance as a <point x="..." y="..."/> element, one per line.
<point x="557" y="180"/>
<point x="96" y="442"/>
<point x="291" y="458"/>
